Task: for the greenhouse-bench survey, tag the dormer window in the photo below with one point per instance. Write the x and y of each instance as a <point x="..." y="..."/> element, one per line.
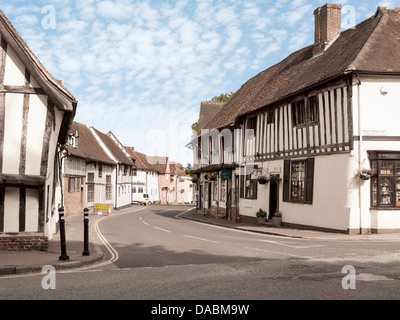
<point x="73" y="139"/>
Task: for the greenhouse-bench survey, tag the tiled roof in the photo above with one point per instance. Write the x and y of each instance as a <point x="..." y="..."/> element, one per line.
<point x="208" y="110"/>
<point x="371" y="46"/>
<point x="140" y="159"/>
<point x="118" y="154"/>
<point x="158" y="163"/>
<point x="88" y="147"/>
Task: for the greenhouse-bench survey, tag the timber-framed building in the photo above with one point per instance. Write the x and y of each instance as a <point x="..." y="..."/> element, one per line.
<point x="36" y="112"/>
<point x="312" y="124"/>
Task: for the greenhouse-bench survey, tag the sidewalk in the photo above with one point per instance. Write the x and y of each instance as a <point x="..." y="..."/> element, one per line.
<point x="288" y="232"/>
<point x="33" y="262"/>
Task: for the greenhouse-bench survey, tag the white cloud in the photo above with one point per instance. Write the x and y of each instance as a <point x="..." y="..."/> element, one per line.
<point x="135" y="65"/>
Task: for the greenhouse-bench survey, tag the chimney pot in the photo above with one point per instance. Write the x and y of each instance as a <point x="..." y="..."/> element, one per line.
<point x="327" y="25"/>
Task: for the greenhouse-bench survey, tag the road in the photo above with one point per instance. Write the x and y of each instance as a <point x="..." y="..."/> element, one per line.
<point x="153" y="255"/>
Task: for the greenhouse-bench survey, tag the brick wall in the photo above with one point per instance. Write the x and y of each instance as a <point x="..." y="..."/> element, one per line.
<point x="24" y="244"/>
<point x="74" y="202"/>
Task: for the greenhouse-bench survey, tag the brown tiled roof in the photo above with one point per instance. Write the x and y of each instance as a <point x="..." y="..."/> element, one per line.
<point x="208" y="109"/>
<point x="118" y="154"/>
<point x="88" y="147"/>
<point x="158" y="163"/>
<point x="140" y="159"/>
<point x="371" y="46"/>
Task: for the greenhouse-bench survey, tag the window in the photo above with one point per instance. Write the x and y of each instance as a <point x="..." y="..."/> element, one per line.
<point x="133" y="189"/>
<point x="248" y="187"/>
<point x="298" y="181"/>
<point x="140" y="190"/>
<point x="298" y="113"/>
<point x="100" y="170"/>
<point x="90" y="177"/>
<point x="90" y="187"/>
<point x="223" y="191"/>
<point x="271" y="117"/>
<point x="385" y="183"/>
<point x="108" y="188"/>
<point x="305" y="114"/>
<point x="134" y="172"/>
<point x="90" y="192"/>
<point x="215" y="191"/>
<point x="71" y="185"/>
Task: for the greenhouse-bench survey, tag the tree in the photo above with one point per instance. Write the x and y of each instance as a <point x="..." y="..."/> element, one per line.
<point x="195" y="127"/>
<point x="224" y="97"/>
<point x="189" y="171"/>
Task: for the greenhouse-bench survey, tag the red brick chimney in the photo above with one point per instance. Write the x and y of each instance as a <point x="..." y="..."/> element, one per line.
<point x="327" y="25"/>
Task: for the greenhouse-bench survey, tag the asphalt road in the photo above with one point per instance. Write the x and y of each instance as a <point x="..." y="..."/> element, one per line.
<point x="153" y="255"/>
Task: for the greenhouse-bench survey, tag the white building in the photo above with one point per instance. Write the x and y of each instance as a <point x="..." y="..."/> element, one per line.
<point x="144" y="178"/>
<point x="123" y="167"/>
<point x="314" y="120"/>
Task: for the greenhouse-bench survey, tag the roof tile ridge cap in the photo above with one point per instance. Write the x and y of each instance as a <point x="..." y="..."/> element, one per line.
<point x="380" y="24"/>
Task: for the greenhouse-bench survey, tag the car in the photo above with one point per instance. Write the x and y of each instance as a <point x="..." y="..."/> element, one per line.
<point x="142" y="199"/>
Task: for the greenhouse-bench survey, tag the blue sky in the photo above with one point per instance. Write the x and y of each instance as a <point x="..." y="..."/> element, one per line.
<point x="141" y="68"/>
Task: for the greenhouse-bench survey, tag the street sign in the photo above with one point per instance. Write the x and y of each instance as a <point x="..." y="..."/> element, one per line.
<point x="226" y="175"/>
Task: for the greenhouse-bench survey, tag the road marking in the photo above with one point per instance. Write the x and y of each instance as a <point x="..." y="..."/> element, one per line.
<point x="144" y="222"/>
<point x="372" y="277"/>
<point x="197" y="238"/>
<point x="293" y="246"/>
<point x="162" y="230"/>
<point x="285" y="254"/>
<point x="113" y="252"/>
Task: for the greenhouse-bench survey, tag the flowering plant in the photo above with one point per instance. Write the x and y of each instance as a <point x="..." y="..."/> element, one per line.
<point x="365" y="174"/>
<point x="262" y="179"/>
<point x="275" y="179"/>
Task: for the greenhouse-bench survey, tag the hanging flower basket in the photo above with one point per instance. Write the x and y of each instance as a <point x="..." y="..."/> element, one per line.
<point x="365" y="174"/>
<point x="213" y="178"/>
<point x="262" y="179"/>
<point x="275" y="179"/>
<point x="194" y="180"/>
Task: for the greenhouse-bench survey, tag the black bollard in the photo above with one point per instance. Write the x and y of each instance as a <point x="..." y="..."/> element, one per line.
<point x="86" y="251"/>
<point x="63" y="256"/>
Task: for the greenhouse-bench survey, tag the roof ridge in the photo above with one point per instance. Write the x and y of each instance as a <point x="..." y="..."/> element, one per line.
<point x="383" y="19"/>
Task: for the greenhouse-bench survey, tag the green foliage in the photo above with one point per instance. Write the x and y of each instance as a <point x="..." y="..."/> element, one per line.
<point x="195" y="127"/>
<point x="189" y="171"/>
<point x="224" y="97"/>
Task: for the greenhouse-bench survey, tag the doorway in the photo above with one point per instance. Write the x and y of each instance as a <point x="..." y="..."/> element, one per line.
<point x="273" y="199"/>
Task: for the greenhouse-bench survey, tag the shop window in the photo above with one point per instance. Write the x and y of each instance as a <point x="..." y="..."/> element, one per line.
<point x="385" y="183"/>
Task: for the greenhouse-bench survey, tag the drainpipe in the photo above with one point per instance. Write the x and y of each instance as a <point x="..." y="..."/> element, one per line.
<point x="359" y="146"/>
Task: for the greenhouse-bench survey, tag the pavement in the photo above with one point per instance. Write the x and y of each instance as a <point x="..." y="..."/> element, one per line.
<point x="33" y="262"/>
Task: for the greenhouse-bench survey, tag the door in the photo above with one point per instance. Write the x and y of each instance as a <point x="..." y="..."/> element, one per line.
<point x="228" y="199"/>
<point x="273" y="199"/>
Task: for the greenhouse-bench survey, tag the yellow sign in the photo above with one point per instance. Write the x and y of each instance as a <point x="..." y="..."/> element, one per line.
<point x="99" y="206"/>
